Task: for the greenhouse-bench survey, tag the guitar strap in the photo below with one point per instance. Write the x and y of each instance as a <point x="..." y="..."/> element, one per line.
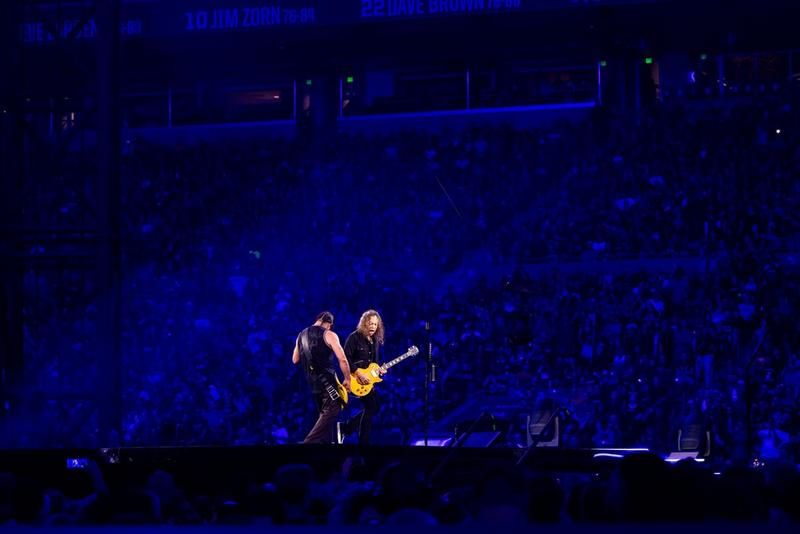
<point x="305" y="353"/>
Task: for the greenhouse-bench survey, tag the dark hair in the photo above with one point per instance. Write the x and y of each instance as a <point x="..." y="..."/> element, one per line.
<point x="325" y="317"/>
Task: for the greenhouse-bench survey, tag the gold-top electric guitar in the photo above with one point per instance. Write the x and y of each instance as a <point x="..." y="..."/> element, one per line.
<point x="373" y="372"/>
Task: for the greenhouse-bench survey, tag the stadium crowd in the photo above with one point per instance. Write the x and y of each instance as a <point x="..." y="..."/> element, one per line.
<point x="544" y="259"/>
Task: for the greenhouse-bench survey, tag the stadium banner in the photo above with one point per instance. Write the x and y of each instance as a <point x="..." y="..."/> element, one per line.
<point x="45" y="23"/>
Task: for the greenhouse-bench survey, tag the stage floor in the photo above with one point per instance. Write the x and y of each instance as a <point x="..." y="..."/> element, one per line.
<point x="197" y="464"/>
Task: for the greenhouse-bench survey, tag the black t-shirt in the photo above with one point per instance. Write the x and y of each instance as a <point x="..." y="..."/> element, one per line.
<point x="360" y="351"/>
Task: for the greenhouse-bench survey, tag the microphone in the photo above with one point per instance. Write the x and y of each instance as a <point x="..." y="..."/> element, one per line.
<point x="430" y="343"/>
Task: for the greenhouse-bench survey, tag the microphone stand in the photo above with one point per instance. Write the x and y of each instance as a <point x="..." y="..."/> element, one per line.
<point x="748" y="398"/>
<point x="430" y="377"/>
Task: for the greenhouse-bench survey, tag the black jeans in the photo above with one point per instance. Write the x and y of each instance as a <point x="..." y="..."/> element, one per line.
<point x="361" y="422"/>
<point x="328" y="408"/>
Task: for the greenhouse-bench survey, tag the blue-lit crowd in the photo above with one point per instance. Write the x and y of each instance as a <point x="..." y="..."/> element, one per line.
<point x="640" y="270"/>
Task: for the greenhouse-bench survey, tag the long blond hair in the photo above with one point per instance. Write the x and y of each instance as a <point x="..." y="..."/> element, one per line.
<point x="362" y="325"/>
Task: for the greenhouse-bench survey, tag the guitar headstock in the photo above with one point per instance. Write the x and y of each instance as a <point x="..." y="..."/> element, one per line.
<point x="412" y="350"/>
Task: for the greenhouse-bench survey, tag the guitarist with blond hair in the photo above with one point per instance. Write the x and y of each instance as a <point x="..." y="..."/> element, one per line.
<point x="361" y="349"/>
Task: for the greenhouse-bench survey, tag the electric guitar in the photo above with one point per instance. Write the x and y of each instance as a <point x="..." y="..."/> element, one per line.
<point x="337" y="392"/>
<point x="373" y="372"/>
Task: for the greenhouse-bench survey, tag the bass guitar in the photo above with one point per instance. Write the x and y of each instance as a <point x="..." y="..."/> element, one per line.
<point x="373" y="372"/>
<point x="336" y="392"/>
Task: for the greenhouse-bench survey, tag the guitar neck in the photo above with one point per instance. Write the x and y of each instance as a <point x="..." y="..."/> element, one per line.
<point x="397" y="360"/>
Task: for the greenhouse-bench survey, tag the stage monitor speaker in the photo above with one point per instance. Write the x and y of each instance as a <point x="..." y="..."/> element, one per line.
<point x="694" y="437"/>
<point x="538" y="429"/>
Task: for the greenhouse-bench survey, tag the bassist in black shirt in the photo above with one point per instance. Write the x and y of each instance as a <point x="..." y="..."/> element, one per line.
<point x="313" y="349"/>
